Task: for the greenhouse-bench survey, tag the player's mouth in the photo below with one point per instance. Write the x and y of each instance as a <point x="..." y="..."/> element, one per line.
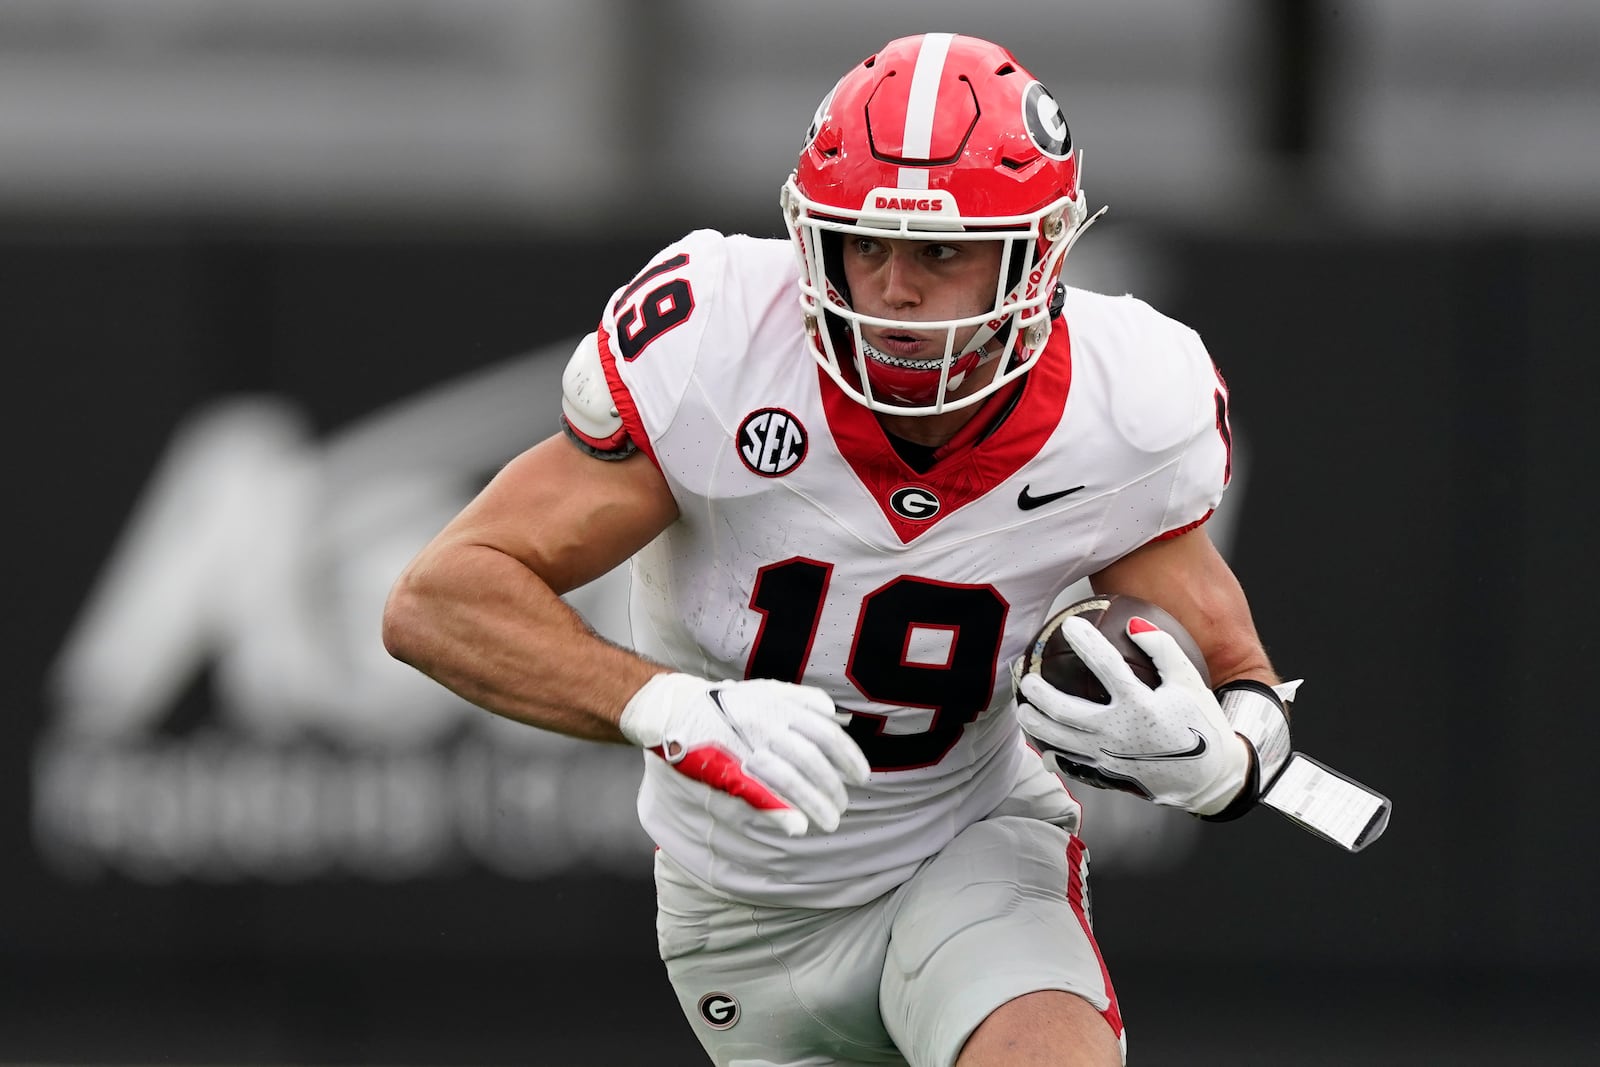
<point x="904" y="349"/>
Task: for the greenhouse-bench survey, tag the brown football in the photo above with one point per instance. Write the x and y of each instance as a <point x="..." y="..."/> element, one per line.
<point x="1058" y="664"/>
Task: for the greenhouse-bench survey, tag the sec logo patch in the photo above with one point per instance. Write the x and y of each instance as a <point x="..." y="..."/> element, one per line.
<point x="771" y="442"/>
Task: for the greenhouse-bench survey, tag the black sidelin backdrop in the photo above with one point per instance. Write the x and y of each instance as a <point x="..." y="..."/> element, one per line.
<point x="1416" y="541"/>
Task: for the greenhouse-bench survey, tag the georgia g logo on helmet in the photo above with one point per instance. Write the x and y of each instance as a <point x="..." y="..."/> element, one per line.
<point x="1046" y="123"/>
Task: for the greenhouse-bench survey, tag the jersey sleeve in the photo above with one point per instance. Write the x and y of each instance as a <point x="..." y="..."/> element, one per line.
<point x="650" y="336"/>
<point x="1205" y="463"/>
<point x="1151" y="392"/>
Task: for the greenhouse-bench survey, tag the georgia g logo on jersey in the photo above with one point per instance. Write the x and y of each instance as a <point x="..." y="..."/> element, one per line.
<point x="917" y="503"/>
<point x="771" y="442"/>
<point x="1047" y="125"/>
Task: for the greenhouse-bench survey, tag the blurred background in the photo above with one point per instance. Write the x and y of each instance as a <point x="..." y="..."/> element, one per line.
<point x="284" y="281"/>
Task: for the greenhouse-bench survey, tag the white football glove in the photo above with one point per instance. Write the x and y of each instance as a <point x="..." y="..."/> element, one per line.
<point x="778" y="747"/>
<point x="1171" y="743"/>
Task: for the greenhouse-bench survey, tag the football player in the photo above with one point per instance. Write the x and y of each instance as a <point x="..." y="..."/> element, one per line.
<point x="852" y="471"/>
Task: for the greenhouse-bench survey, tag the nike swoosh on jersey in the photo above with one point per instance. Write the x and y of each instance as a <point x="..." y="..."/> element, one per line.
<point x="1199" y="749"/>
<point x="1028" y="503"/>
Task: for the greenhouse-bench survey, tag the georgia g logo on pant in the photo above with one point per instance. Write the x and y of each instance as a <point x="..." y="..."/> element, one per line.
<point x="718" y="1010"/>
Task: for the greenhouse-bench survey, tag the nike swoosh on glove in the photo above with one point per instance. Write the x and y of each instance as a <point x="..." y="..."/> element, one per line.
<point x="1172" y="741"/>
<point x="778" y="747"/>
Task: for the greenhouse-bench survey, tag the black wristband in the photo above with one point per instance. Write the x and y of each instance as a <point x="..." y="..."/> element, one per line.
<point x="1258" y="715"/>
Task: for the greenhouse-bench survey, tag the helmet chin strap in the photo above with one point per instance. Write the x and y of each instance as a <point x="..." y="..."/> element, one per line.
<point x="983" y="336"/>
<point x="985" y="357"/>
<point x="995" y="336"/>
<point x="872" y="352"/>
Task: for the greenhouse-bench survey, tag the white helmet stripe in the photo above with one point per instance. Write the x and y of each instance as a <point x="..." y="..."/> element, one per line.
<point x="919" y="109"/>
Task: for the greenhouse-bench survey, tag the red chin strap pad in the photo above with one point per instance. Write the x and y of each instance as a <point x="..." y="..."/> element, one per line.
<point x="912" y="386"/>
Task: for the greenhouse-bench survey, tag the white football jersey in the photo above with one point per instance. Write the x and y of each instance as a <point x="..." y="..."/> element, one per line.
<point x="807" y="550"/>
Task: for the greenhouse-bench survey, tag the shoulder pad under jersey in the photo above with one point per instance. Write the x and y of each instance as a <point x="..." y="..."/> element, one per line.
<point x="587" y="412"/>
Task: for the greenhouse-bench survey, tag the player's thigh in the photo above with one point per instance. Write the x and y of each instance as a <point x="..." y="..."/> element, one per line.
<point x="774" y="987"/>
<point x="999" y="914"/>
<point x="1048" y="1028"/>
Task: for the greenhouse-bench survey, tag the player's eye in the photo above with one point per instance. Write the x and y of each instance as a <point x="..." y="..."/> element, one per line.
<point x="941" y="253"/>
<point x="867" y="246"/>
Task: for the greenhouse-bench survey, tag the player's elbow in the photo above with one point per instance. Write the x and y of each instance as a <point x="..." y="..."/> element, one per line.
<point x="407" y="622"/>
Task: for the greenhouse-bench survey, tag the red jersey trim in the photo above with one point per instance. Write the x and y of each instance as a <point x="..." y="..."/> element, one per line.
<point x="1077" y="898"/>
<point x="962" y="472"/>
<point x="632" y="424"/>
<point x="1180" y="531"/>
<point x="599" y="444"/>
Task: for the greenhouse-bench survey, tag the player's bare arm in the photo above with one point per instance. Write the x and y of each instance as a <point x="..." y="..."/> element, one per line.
<point x="479" y="609"/>
<point x="1188" y="576"/>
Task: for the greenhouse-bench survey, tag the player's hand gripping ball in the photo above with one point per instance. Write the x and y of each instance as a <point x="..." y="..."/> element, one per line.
<point x="1053" y="659"/>
<point x="1114" y="692"/>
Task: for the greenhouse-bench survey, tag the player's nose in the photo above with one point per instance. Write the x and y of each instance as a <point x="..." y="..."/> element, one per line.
<point x="901" y="284"/>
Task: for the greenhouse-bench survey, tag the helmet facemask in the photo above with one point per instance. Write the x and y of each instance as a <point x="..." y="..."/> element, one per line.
<point x="1015" y="325"/>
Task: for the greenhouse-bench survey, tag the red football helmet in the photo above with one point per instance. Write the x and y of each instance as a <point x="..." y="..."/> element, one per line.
<point x="936" y="137"/>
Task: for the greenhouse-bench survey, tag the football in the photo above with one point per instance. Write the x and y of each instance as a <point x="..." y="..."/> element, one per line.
<point x="1053" y="659"/>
